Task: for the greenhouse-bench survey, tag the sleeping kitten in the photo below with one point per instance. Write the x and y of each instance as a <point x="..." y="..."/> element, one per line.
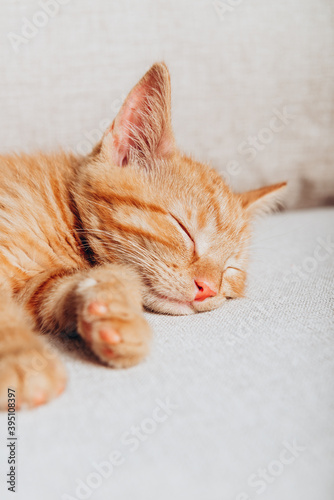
<point x="85" y="242"/>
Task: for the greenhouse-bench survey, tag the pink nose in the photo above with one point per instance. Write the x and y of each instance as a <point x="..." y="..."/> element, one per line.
<point x="203" y="291"/>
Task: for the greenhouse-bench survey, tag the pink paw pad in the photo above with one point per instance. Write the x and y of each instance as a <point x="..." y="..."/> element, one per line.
<point x="61" y="389"/>
<point x="106" y="351"/>
<point x="110" y="336"/>
<point x="39" y="399"/>
<point x="97" y="308"/>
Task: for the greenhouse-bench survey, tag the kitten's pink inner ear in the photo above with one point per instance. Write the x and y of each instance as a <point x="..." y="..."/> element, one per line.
<point x="128" y="124"/>
<point x="142" y="128"/>
<point x="119" y="147"/>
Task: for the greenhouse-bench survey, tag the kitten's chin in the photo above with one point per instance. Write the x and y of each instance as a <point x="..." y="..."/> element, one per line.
<point x="166" y="305"/>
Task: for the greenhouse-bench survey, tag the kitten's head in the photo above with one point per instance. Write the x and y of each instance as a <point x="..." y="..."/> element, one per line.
<point x="174" y="220"/>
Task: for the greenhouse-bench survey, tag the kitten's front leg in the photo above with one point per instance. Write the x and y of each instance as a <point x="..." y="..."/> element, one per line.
<point x="104" y="304"/>
<point x="110" y="317"/>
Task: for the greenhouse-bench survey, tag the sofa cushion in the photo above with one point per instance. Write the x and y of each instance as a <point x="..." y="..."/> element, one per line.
<point x="252" y="81"/>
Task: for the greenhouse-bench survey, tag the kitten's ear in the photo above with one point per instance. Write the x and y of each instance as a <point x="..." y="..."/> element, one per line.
<point x="263" y="199"/>
<point x="142" y="129"/>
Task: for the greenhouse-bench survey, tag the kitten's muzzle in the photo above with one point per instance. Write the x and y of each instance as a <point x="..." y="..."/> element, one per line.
<point x="204" y="290"/>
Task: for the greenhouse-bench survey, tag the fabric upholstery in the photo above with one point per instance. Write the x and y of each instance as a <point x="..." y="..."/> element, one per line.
<point x="250" y="385"/>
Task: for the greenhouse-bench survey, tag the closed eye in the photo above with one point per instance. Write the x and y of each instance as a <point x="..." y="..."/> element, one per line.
<point x="184" y="229"/>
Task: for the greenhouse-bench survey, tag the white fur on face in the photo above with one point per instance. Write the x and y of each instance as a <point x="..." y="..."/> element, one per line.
<point x="87" y="283"/>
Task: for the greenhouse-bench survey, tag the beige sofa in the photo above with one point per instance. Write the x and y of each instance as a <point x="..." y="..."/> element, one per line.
<point x="235" y="404"/>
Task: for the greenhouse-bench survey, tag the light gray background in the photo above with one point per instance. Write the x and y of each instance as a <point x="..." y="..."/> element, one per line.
<point x="259" y="371"/>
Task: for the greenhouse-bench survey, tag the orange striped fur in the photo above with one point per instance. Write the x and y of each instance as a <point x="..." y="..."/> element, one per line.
<point x="85" y="242"/>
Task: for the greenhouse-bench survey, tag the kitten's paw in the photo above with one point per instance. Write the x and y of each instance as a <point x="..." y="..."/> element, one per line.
<point x="36" y="374"/>
<point x="116" y="332"/>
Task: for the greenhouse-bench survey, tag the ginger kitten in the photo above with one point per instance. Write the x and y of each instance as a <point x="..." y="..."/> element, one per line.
<point x="85" y="242"/>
